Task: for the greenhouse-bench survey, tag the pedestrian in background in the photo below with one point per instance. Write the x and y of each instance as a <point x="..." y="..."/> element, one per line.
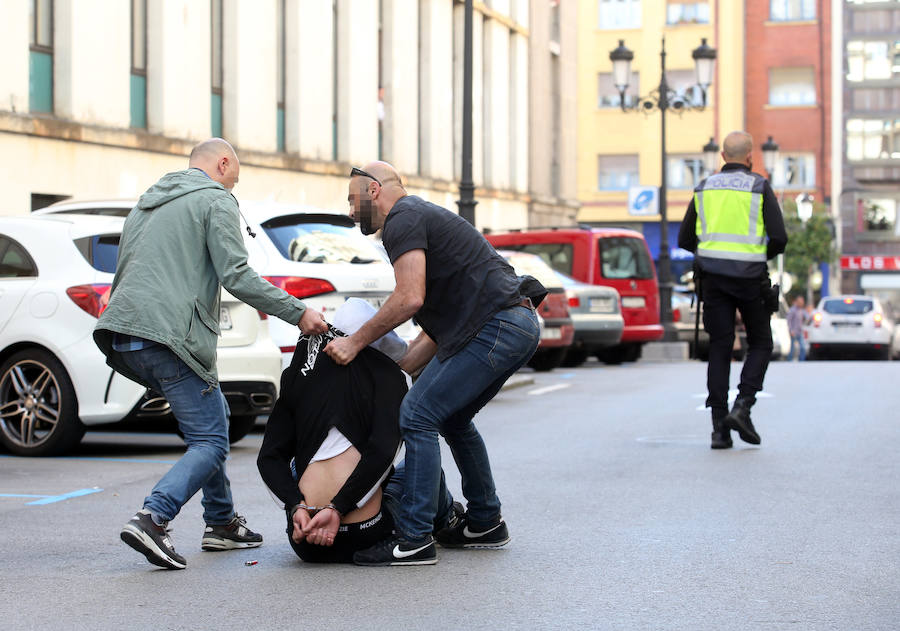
<point x="733" y="225"/>
<point x="180" y="245"/>
<point x="797" y="318"/>
<point x="477" y="330"/>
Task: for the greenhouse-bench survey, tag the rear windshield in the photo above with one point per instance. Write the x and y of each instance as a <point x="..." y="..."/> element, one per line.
<point x="320" y="239"/>
<point x="556" y="255"/>
<point x="847" y="306"/>
<point x="100" y="251"/>
<point x="624" y="257"/>
<point x="533" y="266"/>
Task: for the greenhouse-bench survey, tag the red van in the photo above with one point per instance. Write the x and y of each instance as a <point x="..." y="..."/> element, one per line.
<point x="614" y="257"/>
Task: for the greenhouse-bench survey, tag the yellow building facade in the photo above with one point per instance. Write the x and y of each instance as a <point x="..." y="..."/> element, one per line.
<point x="619" y="150"/>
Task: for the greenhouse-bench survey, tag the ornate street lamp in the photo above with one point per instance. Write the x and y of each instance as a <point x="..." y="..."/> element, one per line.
<point x="662" y="99"/>
<point x="711" y="156"/>
<point x="770" y="156"/>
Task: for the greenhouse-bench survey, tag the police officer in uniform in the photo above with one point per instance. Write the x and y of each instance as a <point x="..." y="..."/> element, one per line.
<point x="734" y="225"/>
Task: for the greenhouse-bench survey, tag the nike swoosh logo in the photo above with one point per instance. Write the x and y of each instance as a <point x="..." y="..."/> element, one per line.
<point x="402" y="554"/>
<point x="474" y="535"/>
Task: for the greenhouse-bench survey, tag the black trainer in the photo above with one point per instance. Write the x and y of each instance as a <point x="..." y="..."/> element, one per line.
<point x="397" y="551"/>
<point x="142" y="534"/>
<point x="739" y="420"/>
<point x="457" y="511"/>
<point x="231" y="536"/>
<point x="459" y="535"/>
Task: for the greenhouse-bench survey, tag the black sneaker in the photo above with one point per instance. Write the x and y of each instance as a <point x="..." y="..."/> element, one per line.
<point x="142" y="534"/>
<point x="231" y="536"/>
<point x="397" y="551"/>
<point x="456" y="512"/>
<point x="459" y="535"/>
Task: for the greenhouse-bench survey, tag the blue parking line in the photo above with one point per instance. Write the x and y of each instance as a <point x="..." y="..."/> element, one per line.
<point x="65" y="496"/>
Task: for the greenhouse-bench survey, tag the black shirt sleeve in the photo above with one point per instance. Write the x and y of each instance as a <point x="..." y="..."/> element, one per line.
<point x="404" y="230"/>
<point x="687" y="234"/>
<point x="279" y="442"/>
<point x="774" y="222"/>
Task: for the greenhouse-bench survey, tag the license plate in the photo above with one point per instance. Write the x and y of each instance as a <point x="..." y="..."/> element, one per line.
<point x="846" y="324"/>
<point x="225" y="319"/>
<point x="634" y="302"/>
<point x="551" y="334"/>
<point x="603" y="305"/>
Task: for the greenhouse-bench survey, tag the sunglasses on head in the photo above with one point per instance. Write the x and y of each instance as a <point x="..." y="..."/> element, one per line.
<point x="354" y="171"/>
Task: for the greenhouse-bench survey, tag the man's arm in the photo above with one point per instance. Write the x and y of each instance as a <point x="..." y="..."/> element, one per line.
<point x="687" y="233"/>
<point x="774" y="221"/>
<point x="401" y="305"/>
<point x="418" y="353"/>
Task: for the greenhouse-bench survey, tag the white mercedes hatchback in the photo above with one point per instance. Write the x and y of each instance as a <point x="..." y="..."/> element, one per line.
<point x="55" y="275"/>
<point x="316" y="255"/>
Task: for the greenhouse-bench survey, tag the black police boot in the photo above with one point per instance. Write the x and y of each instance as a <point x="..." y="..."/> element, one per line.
<point x="721" y="435"/>
<point x="739" y="420"/>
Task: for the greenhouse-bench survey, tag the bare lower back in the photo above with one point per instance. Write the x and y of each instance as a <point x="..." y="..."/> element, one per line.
<point x="322" y="480"/>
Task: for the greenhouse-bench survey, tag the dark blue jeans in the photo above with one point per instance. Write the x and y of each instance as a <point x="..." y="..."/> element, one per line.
<point x="443" y="400"/>
<point x="202" y="415"/>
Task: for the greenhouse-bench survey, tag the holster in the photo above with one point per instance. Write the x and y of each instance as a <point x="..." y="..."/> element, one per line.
<point x="769" y="294"/>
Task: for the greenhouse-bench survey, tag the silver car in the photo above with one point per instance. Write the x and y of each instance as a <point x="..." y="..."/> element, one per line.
<point x="596" y="315"/>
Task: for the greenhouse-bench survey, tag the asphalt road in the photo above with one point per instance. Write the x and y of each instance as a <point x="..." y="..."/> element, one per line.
<point x="621" y="518"/>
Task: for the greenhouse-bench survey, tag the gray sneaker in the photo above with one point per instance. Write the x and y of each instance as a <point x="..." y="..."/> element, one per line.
<point x="142" y="534"/>
<point x="231" y="536"/>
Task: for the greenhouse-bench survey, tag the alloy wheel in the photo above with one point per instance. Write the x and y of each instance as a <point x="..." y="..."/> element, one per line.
<point x="30" y="405"/>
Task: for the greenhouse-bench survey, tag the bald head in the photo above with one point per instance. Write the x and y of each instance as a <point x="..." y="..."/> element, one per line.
<point x="371" y="198"/>
<point x="737" y="146"/>
<point x="218" y="160"/>
<point x="384" y="171"/>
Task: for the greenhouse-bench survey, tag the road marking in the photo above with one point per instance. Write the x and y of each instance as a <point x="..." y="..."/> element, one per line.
<point x="547" y="389"/>
<point x="50" y="499"/>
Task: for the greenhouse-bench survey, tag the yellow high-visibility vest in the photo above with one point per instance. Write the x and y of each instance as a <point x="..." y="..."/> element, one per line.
<point x="729" y="217"/>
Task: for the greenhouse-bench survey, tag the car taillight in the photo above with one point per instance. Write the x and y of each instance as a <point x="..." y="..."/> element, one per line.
<point x="817" y="319"/>
<point x="878" y="318"/>
<point x="300" y="287"/>
<point x="92" y="299"/>
<point x="676" y="315"/>
<point x="574" y="301"/>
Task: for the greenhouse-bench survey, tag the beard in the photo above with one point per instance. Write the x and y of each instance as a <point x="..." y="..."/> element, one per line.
<point x="365" y="217"/>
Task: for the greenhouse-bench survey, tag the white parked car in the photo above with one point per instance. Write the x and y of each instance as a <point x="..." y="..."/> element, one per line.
<point x="55" y="275"/>
<point x="317" y="255"/>
<point x="843" y="325"/>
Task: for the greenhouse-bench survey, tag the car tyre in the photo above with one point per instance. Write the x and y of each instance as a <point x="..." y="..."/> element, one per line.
<point x="239" y="426"/>
<point x="38" y="406"/>
<point x="542" y="361"/>
<point x="574" y="357"/>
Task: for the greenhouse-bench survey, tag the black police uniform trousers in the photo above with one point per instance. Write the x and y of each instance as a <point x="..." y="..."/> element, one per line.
<point x="722" y="297"/>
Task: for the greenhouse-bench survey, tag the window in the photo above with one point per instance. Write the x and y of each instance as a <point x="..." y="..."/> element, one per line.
<point x="873" y="139"/>
<point x="687" y="12"/>
<point x="872" y="60"/>
<point x="878" y="215"/>
<point x="42" y="200"/>
<point x="790" y="10"/>
<point x="618" y="14"/>
<point x="280" y="63"/>
<point x="216" y="68"/>
<point x="139" y="63"/>
<point x="847" y="306"/>
<point x="101" y="251"/>
<point x="684" y="84"/>
<point x="792" y="86"/>
<point x="617" y="173"/>
<point x="624" y="257"/>
<point x="876" y="99"/>
<point x="40" y="62"/>
<point x="795" y="171"/>
<point x="320" y="239"/>
<point x="15" y="261"/>
<point x="684" y="172"/>
<point x="881" y="21"/>
<point x="608" y="94"/>
<point x="556" y="255"/>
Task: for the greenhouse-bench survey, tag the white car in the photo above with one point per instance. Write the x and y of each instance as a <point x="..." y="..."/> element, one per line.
<point x="854" y="324"/>
<point x="316" y="255"/>
<point x="55" y="274"/>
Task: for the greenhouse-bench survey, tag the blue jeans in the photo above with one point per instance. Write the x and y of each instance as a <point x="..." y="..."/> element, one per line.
<point x="443" y="401"/>
<point x="798" y="341"/>
<point x="202" y="415"/>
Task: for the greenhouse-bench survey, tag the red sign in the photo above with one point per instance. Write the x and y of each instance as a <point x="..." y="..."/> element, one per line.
<point x="871" y="263"/>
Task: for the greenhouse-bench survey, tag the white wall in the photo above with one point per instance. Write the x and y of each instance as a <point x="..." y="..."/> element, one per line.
<point x="178" y="69"/>
<point x="436" y="89"/>
<point x="400" y="79"/>
<point x="14" y="53"/>
<point x="91" y="71"/>
<point x="496" y="105"/>
<point x="357" y="81"/>
<point x="309" y="78"/>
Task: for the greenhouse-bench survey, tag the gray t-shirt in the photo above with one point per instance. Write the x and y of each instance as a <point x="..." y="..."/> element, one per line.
<point x="466" y="281"/>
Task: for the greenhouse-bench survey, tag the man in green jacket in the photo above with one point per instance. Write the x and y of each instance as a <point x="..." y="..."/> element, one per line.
<point x="180" y="245"/>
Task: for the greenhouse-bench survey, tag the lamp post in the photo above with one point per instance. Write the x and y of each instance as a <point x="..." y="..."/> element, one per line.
<point x="770" y="157"/>
<point x="466" y="203"/>
<point x="804" y="212"/>
<point x="711" y="156"/>
<point x="663" y="99"/>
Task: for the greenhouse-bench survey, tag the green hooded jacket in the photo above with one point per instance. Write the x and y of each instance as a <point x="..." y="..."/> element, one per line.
<point x="180" y="245"/>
